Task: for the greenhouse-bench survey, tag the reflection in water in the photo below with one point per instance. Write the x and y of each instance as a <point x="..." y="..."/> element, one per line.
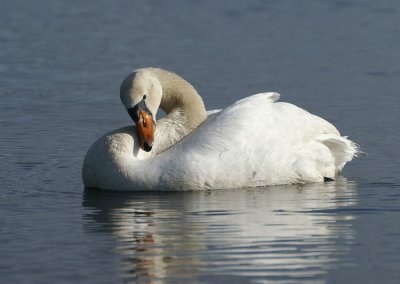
<point x="283" y="234"/>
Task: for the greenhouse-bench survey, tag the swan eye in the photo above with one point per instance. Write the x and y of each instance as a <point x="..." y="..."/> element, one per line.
<point x="144" y="97"/>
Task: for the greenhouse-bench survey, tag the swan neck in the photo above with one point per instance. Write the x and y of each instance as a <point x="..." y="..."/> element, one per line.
<point x="180" y="97"/>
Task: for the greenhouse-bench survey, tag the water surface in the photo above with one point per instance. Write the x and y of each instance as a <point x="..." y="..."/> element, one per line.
<point x="61" y="63"/>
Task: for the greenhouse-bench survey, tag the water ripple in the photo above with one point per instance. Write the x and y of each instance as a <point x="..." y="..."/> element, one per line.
<point x="281" y="233"/>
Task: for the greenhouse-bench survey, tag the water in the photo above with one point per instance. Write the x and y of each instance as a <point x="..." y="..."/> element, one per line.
<point x="61" y="63"/>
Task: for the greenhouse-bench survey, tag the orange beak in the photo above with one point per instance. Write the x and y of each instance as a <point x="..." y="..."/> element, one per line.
<point x="145" y="129"/>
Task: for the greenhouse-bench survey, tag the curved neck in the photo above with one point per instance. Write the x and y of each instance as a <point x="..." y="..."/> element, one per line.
<point x="180" y="95"/>
<point x="183" y="106"/>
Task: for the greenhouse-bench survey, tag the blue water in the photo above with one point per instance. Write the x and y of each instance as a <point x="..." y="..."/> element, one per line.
<point x="61" y="63"/>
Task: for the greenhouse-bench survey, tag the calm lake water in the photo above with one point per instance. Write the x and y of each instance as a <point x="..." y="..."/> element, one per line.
<point x="61" y="63"/>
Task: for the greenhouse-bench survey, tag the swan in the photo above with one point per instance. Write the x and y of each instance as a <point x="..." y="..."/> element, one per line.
<point x="257" y="141"/>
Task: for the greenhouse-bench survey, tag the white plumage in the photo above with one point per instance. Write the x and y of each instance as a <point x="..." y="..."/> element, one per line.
<point x="257" y="141"/>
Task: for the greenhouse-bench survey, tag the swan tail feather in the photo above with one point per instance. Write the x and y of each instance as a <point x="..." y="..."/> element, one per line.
<point x="342" y="149"/>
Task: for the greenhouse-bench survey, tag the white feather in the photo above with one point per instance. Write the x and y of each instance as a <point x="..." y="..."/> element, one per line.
<point x="257" y="141"/>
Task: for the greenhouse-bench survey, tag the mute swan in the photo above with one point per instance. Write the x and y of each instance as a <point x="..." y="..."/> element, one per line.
<point x="254" y="142"/>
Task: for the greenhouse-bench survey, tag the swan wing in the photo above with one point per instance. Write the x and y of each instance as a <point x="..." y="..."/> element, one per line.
<point x="258" y="141"/>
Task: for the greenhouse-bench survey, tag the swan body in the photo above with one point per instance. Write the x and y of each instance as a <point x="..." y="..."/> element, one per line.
<point x="257" y="141"/>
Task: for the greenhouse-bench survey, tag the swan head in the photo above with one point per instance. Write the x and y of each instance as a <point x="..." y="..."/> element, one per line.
<point x="141" y="94"/>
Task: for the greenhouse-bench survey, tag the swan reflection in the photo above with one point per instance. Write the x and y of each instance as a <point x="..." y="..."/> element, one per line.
<point x="285" y="233"/>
